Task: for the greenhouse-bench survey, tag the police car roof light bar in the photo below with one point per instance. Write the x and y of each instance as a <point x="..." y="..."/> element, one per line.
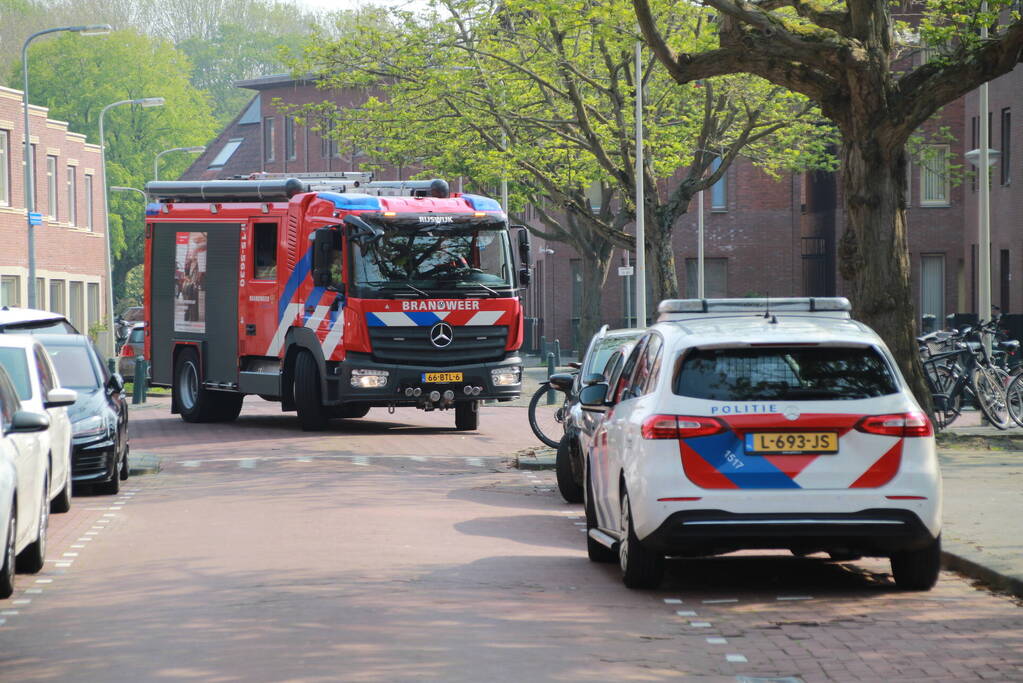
<point x="832" y="304"/>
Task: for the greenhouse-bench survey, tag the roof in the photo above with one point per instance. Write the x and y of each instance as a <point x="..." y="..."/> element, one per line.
<point x="272" y="80"/>
<point x="749" y="329"/>
<point x="243" y="134"/>
<point x="12" y="315"/>
<point x="17" y="341"/>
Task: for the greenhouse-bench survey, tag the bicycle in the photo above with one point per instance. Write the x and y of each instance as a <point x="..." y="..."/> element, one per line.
<point x="548" y="421"/>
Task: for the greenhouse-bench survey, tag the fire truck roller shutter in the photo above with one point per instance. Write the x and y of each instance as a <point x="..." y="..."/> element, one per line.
<point x="214" y="293"/>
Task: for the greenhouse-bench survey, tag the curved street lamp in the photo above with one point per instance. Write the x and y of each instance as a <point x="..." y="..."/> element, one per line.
<point x="156" y="162"/>
<point x="143" y="102"/>
<point x="30" y="190"/>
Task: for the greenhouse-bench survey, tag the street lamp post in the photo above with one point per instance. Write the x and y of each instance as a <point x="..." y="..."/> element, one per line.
<point x="156" y="161"/>
<point x="30" y="191"/>
<point x="144" y="102"/>
<point x="118" y="188"/>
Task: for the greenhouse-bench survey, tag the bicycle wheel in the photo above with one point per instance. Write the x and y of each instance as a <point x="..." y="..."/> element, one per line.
<point x="953" y="403"/>
<point x="990" y="394"/>
<point x="1014" y="399"/>
<point x="547" y="421"/>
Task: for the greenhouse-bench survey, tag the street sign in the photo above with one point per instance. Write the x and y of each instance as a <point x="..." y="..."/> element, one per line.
<point x="626" y="271"/>
<point x="35" y="218"/>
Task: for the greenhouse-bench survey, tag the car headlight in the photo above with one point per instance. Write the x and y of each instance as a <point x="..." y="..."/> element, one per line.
<point x="94" y="425"/>
<point x="503" y="377"/>
<point x="369" y="379"/>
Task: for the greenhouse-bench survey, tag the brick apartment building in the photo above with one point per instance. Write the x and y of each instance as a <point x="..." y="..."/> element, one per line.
<point x="763" y="236"/>
<point x="70" y="244"/>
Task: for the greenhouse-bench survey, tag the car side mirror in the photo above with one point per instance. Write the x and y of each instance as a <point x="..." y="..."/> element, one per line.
<point x="116" y="383"/>
<point x="26" y="421"/>
<point x="562" y="381"/>
<point x="59" y="397"/>
<point x="594" y="396"/>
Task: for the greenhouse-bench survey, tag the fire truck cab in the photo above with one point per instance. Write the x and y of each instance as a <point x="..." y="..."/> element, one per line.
<point x="332" y="295"/>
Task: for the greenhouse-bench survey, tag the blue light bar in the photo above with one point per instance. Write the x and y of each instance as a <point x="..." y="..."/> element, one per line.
<point x="480" y="203"/>
<point x="351" y="201"/>
<point x="153" y="209"/>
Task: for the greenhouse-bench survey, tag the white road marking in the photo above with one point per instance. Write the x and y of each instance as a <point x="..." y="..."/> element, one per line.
<point x="717" y="640"/>
<point x="722" y="601"/>
<point x="685" y="613"/>
<point x="44" y="580"/>
<point x="21" y="601"/>
<point x="2" y="622"/>
<point x="108" y="514"/>
<point x="700" y="624"/>
<point x="102" y="521"/>
<point x="93" y="533"/>
<point x="474" y="462"/>
<point x="190" y="463"/>
<point x="70" y="554"/>
<point x="360" y="460"/>
<point x="9" y="613"/>
<point x="78" y="545"/>
<point x="85" y="538"/>
<point x="417" y="458"/>
<point x="115" y="507"/>
<point x="305" y="459"/>
<point x="247" y="463"/>
<point x="63" y="564"/>
<point x="579" y="523"/>
<point x="584" y="531"/>
<point x="739" y="659"/>
<point x="794" y="597"/>
<point x="33" y="591"/>
<point x="672" y="601"/>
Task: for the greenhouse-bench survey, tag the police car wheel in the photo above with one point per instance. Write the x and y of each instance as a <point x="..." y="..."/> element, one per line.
<point x="595" y="550"/>
<point x="641" y="568"/>
<point x="917" y="570"/>
<point x="312" y="414"/>
<point x="570" y="490"/>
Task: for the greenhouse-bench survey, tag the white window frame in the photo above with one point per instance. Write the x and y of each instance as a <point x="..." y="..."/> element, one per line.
<point x="52" y="205"/>
<point x="5" y="168"/>
<point x="927" y="164"/>
<point x="88" y="202"/>
<point x="72" y="195"/>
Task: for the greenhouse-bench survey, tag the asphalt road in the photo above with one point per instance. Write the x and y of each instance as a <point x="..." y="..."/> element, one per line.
<point x="393" y="548"/>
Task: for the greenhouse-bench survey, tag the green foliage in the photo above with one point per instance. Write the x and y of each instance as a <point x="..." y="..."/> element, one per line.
<point x="123" y="66"/>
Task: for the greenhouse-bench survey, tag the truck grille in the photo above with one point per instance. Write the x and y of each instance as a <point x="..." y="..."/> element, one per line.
<point x="411" y="345"/>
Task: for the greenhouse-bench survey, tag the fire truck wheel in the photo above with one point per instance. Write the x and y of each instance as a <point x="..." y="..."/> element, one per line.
<point x="312" y="414"/>
<point x="467" y="417"/>
<point x="194" y="401"/>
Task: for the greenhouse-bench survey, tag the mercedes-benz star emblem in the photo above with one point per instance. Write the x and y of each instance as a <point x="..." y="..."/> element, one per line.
<point x="441" y="335"/>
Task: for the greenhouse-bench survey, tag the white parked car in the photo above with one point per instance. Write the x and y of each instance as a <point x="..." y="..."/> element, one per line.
<point x="15" y="320"/>
<point x="748" y="423"/>
<point x="31" y="372"/>
<point x="24" y="479"/>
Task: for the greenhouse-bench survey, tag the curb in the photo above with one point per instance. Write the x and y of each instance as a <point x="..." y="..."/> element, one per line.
<point x="995" y="580"/>
<point x="539" y="458"/>
<point x="144" y="464"/>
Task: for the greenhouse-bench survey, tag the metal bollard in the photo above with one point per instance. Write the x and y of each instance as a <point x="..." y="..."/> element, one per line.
<point x="138" y="389"/>
<point x="551" y="393"/>
<point x="557" y="352"/>
<point x="112" y="365"/>
<point x="543" y="348"/>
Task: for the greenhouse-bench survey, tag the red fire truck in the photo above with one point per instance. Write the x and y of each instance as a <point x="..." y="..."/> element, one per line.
<point x="332" y="295"/>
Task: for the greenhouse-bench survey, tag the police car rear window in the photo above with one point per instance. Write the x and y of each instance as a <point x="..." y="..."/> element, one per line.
<point x="780" y="373"/>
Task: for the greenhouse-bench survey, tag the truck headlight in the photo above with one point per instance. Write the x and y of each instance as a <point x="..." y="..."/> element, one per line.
<point x="503" y="377"/>
<point x="94" y="425"/>
<point x="369" y="379"/>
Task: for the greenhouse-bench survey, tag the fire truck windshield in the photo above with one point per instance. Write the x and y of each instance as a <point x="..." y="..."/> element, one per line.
<point x="425" y="260"/>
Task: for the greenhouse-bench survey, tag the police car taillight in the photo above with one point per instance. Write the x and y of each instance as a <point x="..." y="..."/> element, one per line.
<point x="899" y="424"/>
<point x="679" y="427"/>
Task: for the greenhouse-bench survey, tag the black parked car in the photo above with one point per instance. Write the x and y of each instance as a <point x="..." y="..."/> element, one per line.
<point x="99" y="418"/>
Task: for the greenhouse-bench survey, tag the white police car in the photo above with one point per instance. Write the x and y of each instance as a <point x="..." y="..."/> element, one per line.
<point x="753" y="423"/>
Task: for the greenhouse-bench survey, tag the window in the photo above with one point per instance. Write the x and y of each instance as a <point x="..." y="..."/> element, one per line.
<point x="92" y="302"/>
<point x="41" y="293"/>
<point x="269" y="139"/>
<point x="932" y="287"/>
<point x="289" y="138"/>
<point x="719" y="191"/>
<point x="974" y="144"/>
<point x="57" y="303"/>
<point x="51" y="187"/>
<point x="1006" y="160"/>
<point x="225" y="152"/>
<point x="264" y="262"/>
<point x="646" y="370"/>
<point x="88" y="201"/>
<point x="780" y="373"/>
<point x="77" y="305"/>
<point x="10" y="290"/>
<point x="72" y="196"/>
<point x="622" y="383"/>
<point x="934" y="176"/>
<point x="46" y="381"/>
<point x="5" y="168"/>
<point x="328" y="143"/>
<point x="715" y="278"/>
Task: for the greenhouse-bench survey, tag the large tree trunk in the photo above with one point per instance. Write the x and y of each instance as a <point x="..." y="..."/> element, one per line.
<point x="873" y="252"/>
<point x="660" y="257"/>
<point x="596" y="263"/>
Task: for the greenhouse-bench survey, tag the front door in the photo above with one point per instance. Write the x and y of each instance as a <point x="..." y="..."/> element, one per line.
<point x="257" y="285"/>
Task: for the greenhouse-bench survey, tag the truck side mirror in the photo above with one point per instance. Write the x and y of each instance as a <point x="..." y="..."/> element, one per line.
<point x="361" y="231"/>
<point x="524" y="255"/>
<point x="524" y="277"/>
<point x="323" y="246"/>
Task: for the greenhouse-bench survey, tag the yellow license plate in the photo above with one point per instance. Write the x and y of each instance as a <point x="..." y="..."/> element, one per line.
<point x="442" y="377"/>
<point x="766" y="443"/>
